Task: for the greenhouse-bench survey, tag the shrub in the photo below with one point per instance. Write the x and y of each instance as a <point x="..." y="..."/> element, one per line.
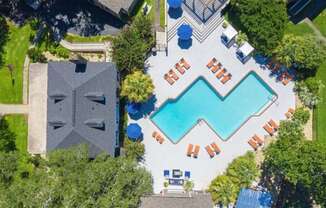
<point x="7" y="137"/>
<point x="134" y="150"/>
<point x="301" y="115"/>
<point x="223" y="190"/>
<point x="241" y="38"/>
<point x="309" y="91"/>
<point x="36" y="55"/>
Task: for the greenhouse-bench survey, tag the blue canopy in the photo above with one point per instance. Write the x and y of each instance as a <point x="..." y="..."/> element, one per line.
<point x="185" y="32"/>
<point x="133" y="108"/>
<point x="175" y="3"/>
<point x="134" y="131"/>
<point x="249" y="198"/>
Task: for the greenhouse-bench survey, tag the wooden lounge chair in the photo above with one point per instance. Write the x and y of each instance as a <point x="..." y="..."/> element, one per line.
<point x="290" y="113"/>
<point x="269" y="129"/>
<point x="184" y="63"/>
<point x="253" y="144"/>
<point x="209" y="151"/>
<point x="276" y="67"/>
<point x="211" y="63"/>
<point x="180" y="68"/>
<point x="220" y="73"/>
<point x="173" y="75"/>
<point x="270" y="64"/>
<point x="189" y="149"/>
<point x="273" y="124"/>
<point x="291" y="110"/>
<point x="216" y="148"/>
<point x="154" y="134"/>
<point x="258" y="139"/>
<point x="216" y="67"/>
<point x="196" y="151"/>
<point x="287" y="78"/>
<point x="168" y="79"/>
<point x="226" y="78"/>
<point x="160" y="139"/>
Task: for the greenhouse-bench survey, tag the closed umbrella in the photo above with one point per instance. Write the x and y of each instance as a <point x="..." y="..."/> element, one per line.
<point x="184" y="32"/>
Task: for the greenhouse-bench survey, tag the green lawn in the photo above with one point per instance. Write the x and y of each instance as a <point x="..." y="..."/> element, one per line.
<point x="162" y="13"/>
<point x="320" y="22"/>
<point x="320" y="111"/>
<point x="79" y="39"/>
<point x="18" y="125"/>
<point x="298" y="29"/>
<point x="14" y="53"/>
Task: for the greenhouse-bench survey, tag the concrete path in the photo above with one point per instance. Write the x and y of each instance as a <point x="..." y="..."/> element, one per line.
<point x="25" y="80"/>
<point x="13" y="109"/>
<point x="315" y="29"/>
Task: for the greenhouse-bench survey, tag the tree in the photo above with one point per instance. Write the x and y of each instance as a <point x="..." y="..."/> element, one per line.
<point x="137" y="87"/>
<point x="188" y="185"/>
<point x="134" y="150"/>
<point x="223" y="190"/>
<point x="263" y="21"/>
<point x="128" y="50"/>
<point x="8" y="167"/>
<point x="243" y="170"/>
<point x="309" y="91"/>
<point x="301" y="115"/>
<point x="241" y="38"/>
<point x="7" y="137"/>
<point x="143" y="25"/>
<point x="303" y="51"/>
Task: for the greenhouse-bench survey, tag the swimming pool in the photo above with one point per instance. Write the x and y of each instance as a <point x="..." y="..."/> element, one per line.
<point x="223" y="114"/>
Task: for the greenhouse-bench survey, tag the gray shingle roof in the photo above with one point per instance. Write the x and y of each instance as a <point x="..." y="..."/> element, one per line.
<point x="196" y="201"/>
<point x="75" y="113"/>
<point x="117" y="5"/>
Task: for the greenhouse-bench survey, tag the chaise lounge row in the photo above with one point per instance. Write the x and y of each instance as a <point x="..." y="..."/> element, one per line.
<point x="218" y="70"/>
<point x="255" y="142"/>
<point x="212" y="149"/>
<point x="271" y="127"/>
<point x="159" y="138"/>
<point x="191" y="151"/>
<point x="181" y="67"/>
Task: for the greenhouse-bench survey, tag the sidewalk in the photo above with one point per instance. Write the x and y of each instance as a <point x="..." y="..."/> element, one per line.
<point x="13" y="109"/>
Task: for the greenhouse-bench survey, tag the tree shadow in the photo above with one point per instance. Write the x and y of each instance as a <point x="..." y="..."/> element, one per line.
<point x="175" y="13"/>
<point x="185" y="44"/>
<point x="4" y="29"/>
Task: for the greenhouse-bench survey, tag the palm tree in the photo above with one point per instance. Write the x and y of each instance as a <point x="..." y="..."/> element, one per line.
<point x="137" y="87"/>
<point x="223" y="190"/>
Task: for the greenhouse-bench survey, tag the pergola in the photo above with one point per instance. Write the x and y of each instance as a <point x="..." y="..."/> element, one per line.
<point x="204" y="9"/>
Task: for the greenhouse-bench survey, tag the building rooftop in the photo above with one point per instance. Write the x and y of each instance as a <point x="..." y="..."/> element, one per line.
<point x="117" y="5"/>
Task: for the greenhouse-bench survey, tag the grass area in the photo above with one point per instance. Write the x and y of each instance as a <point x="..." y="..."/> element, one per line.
<point x="92" y="39"/>
<point x="18" y="125"/>
<point x="15" y="50"/>
<point x="300" y="29"/>
<point x="139" y="8"/>
<point x="320" y="111"/>
<point x="320" y="22"/>
<point x="162" y="13"/>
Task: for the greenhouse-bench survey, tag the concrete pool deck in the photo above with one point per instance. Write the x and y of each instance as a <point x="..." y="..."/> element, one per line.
<point x="168" y="156"/>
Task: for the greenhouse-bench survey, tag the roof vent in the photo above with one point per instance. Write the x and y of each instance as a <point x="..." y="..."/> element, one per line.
<point x="96" y="97"/>
<point x="57" y="124"/>
<point x="58" y="96"/>
<point x="95" y="123"/>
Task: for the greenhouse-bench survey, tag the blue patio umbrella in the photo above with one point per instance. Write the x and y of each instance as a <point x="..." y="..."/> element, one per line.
<point x="133" y="108"/>
<point x="184" y="32"/>
<point x="134" y="131"/>
<point x="175" y="3"/>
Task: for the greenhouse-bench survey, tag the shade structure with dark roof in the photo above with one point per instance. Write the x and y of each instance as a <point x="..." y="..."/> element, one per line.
<point x="175" y="3"/>
<point x="184" y="32"/>
<point x="249" y="198"/>
<point x="82" y="106"/>
<point x="133" y="108"/>
<point x="117" y="7"/>
<point x="134" y="131"/>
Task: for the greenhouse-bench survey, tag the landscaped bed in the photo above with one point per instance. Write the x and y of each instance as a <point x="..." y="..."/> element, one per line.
<point x="301" y="29"/>
<point x="15" y="51"/>
<point x="92" y="39"/>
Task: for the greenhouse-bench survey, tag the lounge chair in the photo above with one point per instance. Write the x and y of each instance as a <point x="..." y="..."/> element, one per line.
<point x="220" y="73"/>
<point x="273" y="124"/>
<point x="226" y="78"/>
<point x="154" y="134"/>
<point x="287" y="78"/>
<point x="216" y="67"/>
<point x="160" y="139"/>
<point x="209" y="151"/>
<point x="269" y="129"/>
<point x="258" y="139"/>
<point x="290" y="113"/>
<point x="189" y="150"/>
<point x="270" y="64"/>
<point x="180" y="68"/>
<point x="168" y="79"/>
<point x="291" y="110"/>
<point x="276" y="67"/>
<point x="253" y="144"/>
<point x="211" y="63"/>
<point x="184" y="63"/>
<point x="166" y="174"/>
<point x="216" y="148"/>
<point x="173" y="75"/>
<point x="196" y="151"/>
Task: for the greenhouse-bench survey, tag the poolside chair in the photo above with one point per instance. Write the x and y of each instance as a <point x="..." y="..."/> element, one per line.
<point x="287" y="78"/>
<point x="258" y="139"/>
<point x="216" y="148"/>
<point x="276" y="67"/>
<point x="166" y="174"/>
<point x="189" y="150"/>
<point x="270" y="64"/>
<point x="173" y="75"/>
<point x="196" y="151"/>
<point x="168" y="79"/>
<point x="160" y="139"/>
<point x="220" y="73"/>
<point x="187" y="174"/>
<point x="290" y="113"/>
<point x="184" y="63"/>
<point x="211" y="63"/>
<point x="209" y="151"/>
<point x="226" y="78"/>
<point x="216" y="67"/>
<point x="273" y="124"/>
<point x="253" y="144"/>
<point x="269" y="129"/>
<point x="180" y="68"/>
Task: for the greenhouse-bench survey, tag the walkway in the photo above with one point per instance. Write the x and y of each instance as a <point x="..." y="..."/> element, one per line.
<point x="315" y="29"/>
<point x="13" y="109"/>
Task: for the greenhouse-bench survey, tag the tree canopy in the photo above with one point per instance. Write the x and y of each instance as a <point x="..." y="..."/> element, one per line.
<point x="7" y="137"/>
<point x="263" y="21"/>
<point x="309" y="91"/>
<point x="137" y="87"/>
<point x="302" y="51"/>
<point x="69" y="179"/>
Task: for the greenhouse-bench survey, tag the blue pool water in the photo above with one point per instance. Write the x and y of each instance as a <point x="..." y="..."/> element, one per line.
<point x="224" y="114"/>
